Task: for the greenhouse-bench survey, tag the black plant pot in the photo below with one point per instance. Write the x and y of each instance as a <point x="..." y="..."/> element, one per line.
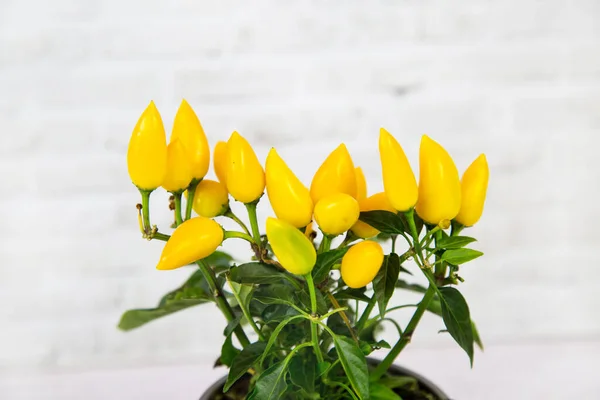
<point x="216" y="389"/>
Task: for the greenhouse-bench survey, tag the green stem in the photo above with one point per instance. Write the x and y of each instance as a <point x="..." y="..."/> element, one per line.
<point x="251" y="207"/>
<point x="394" y="237"/>
<point x="427" y="238"/>
<point x="178" y="219"/>
<point x="245" y="311"/>
<point x="146" y="209"/>
<point x="330" y="313"/>
<point x="406" y="337"/>
<point x="401" y="307"/>
<point x="325" y="243"/>
<point x="159" y="236"/>
<point x="237" y="235"/>
<point x="190" y="197"/>
<point x="229" y="214"/>
<point x="440" y="268"/>
<point x="221" y="301"/>
<point x="345" y="387"/>
<point x="313" y="324"/>
<point x="366" y="313"/>
<point x="410" y="217"/>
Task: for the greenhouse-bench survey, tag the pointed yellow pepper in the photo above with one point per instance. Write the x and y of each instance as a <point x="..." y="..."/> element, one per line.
<point x="289" y="198"/>
<point x="294" y="251"/>
<point x="361" y="184"/>
<point x="398" y="178"/>
<point x="336" y="213"/>
<point x="220" y="161"/>
<point x="211" y="199"/>
<point x="439" y="185"/>
<point x="193" y="240"/>
<point x="361" y="264"/>
<point x="147" y="151"/>
<point x="335" y="175"/>
<point x="245" y="175"/>
<point x="474" y="187"/>
<point x="378" y="201"/>
<point x="188" y="129"/>
<point x="179" y="169"/>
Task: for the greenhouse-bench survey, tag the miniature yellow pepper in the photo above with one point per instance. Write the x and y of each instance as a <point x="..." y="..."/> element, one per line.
<point x="335" y="175"/>
<point x="179" y="169"/>
<point x="147" y="151"/>
<point x="378" y="201"/>
<point x="188" y="129"/>
<point x="294" y="251"/>
<point x="289" y="198"/>
<point x="398" y="178"/>
<point x="193" y="240"/>
<point x="361" y="263"/>
<point x="220" y="161"/>
<point x="336" y="213"/>
<point x="473" y="188"/>
<point x="361" y="184"/>
<point x="245" y="175"/>
<point x="211" y="199"/>
<point x="439" y="185"/>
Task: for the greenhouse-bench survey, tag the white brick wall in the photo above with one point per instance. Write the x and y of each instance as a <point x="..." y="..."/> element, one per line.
<point x="519" y="80"/>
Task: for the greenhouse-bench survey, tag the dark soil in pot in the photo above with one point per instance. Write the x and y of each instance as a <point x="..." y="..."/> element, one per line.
<point x="424" y="390"/>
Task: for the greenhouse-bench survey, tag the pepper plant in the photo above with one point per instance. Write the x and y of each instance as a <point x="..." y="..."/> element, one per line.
<point x="305" y="310"/>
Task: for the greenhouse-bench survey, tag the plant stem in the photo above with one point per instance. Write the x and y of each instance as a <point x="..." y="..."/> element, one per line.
<point x="178" y="219"/>
<point x="335" y="303"/>
<point x="365" y="315"/>
<point x="190" y="197"/>
<point x="394" y="237"/>
<point x="325" y="243"/>
<point x="238" y="235"/>
<point x="251" y="207"/>
<point x="345" y="387"/>
<point x="245" y="311"/>
<point x="313" y="324"/>
<point x="229" y="214"/>
<point x="221" y="301"/>
<point x="406" y="337"/>
<point x="146" y="209"/>
<point x="440" y="267"/>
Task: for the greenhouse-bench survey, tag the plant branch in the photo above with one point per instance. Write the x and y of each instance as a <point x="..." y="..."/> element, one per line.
<point x="229" y="214"/>
<point x="190" y="197"/>
<point x="237" y="235"/>
<point x="177" y="199"/>
<point x="251" y="207"/>
<point x="335" y="303"/>
<point x="245" y="311"/>
<point x="313" y="324"/>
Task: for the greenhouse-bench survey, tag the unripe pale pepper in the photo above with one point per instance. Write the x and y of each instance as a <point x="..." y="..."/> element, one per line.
<point x="289" y="198"/>
<point x="211" y="199"/>
<point x="147" y="151"/>
<point x="473" y="191"/>
<point x="399" y="180"/>
<point x="220" y="161"/>
<point x="179" y="169"/>
<point x="336" y="213"/>
<point x="378" y="201"/>
<point x="361" y="263"/>
<point x="245" y="175"/>
<point x="193" y="240"/>
<point x="294" y="251"/>
<point x="439" y="185"/>
<point x="188" y="129"/>
<point x="335" y="175"/>
<point x="361" y="184"/>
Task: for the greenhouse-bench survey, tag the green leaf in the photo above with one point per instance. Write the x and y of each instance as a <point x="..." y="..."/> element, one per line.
<point x="352" y="294"/>
<point x="385" y="281"/>
<point x="219" y="260"/>
<point x="303" y="370"/>
<point x="456" y="316"/>
<point x="384" y="221"/>
<point x="354" y="363"/>
<point x="243" y="362"/>
<point x="322" y="367"/>
<point x="326" y="261"/>
<point x="193" y="292"/>
<point x="460" y="256"/>
<point x="379" y="391"/>
<point x="228" y="352"/>
<point x="231" y="325"/>
<point x="275" y="333"/>
<point x="255" y="272"/>
<point x="271" y="383"/>
<point x="454" y="242"/>
<point x="394" y="382"/>
<point x="275" y="313"/>
<point x="322" y="307"/>
<point x="275" y="294"/>
<point x="476" y="336"/>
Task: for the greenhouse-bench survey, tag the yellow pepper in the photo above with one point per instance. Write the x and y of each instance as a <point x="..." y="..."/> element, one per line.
<point x="439" y="185"/>
<point x="336" y="213"/>
<point x="378" y="201"/>
<point x="193" y="240"/>
<point x="179" y="170"/>
<point x="289" y="198"/>
<point x="335" y="175"/>
<point x="188" y="129"/>
<point x="398" y="178"/>
<point x="294" y="251"/>
<point x="147" y="152"/>
<point x="361" y="184"/>
<point x="220" y="161"/>
<point x="361" y="263"/>
<point x="474" y="187"/>
<point x="245" y="175"/>
<point x="211" y="199"/>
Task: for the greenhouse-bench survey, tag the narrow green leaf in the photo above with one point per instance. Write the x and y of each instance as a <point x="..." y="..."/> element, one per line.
<point x="275" y="333"/>
<point x="456" y="316"/>
<point x="275" y="313"/>
<point x="231" y="325"/>
<point x="322" y="367"/>
<point x="243" y="362"/>
<point x="219" y="260"/>
<point x="385" y="281"/>
<point x="325" y="262"/>
<point x="303" y="370"/>
<point x="454" y="242"/>
<point x="379" y="391"/>
<point x="352" y="294"/>
<point x="271" y="384"/>
<point x="275" y="294"/>
<point x="228" y="352"/>
<point x="255" y="272"/>
<point x="476" y="336"/>
<point x="460" y="256"/>
<point x="354" y="363"/>
<point x="384" y="221"/>
<point x="394" y="382"/>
